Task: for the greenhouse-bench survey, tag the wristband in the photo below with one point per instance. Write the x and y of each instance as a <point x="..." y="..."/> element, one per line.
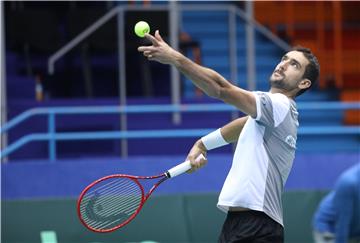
<point x="213" y="140"/>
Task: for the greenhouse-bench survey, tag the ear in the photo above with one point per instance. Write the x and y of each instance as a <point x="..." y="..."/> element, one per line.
<point x="304" y="84"/>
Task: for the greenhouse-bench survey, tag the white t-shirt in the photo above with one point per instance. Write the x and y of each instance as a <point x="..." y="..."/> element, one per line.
<point x="263" y="157"/>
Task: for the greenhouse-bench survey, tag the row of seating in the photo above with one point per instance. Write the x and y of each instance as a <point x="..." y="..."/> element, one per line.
<point x="34" y="34"/>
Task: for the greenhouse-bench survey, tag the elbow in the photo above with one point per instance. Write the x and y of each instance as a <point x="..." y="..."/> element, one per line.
<point x="211" y="90"/>
<point x="223" y="94"/>
<point x="216" y="86"/>
<point x="215" y="93"/>
<point x="219" y="93"/>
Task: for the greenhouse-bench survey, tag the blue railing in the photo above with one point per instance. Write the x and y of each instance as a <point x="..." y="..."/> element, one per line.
<point x="52" y="136"/>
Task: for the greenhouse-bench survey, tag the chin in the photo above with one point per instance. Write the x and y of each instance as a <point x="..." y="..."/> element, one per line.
<point x="274" y="78"/>
<point x="279" y="84"/>
<point x="275" y="82"/>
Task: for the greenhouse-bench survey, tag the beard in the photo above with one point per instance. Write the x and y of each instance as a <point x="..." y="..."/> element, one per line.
<point x="282" y="83"/>
<point x="278" y="82"/>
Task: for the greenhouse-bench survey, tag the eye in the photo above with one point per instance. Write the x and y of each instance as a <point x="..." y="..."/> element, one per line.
<point x="295" y="64"/>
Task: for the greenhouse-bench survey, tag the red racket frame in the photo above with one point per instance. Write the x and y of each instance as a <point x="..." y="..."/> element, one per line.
<point x="143" y="197"/>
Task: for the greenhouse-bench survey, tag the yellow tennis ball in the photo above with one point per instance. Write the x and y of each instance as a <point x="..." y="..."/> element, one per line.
<point x="141" y="28"/>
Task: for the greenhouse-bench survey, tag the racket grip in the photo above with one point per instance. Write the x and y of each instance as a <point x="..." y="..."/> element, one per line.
<point x="182" y="168"/>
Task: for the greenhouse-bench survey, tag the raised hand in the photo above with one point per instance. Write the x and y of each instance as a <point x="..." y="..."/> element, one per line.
<point x="159" y="51"/>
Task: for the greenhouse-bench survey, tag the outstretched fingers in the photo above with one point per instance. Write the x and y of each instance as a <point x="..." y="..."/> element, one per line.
<point x="158" y="36"/>
<point x="153" y="40"/>
<point x="148" y="54"/>
<point x="148" y="50"/>
<point x="159" y="50"/>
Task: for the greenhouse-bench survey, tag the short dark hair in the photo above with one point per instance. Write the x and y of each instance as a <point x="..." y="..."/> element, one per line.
<point x="312" y="70"/>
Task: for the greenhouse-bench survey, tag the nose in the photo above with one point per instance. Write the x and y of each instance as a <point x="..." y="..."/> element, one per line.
<point x="283" y="65"/>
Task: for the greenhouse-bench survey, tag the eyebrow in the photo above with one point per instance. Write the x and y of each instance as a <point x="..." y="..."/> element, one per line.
<point x="293" y="60"/>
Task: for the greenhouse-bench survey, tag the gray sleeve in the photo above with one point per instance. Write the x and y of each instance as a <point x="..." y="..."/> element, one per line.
<point x="271" y="108"/>
<point x="265" y="113"/>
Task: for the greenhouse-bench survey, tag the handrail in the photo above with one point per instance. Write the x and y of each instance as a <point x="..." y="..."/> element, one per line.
<point x="83" y="35"/>
<point x="52" y="136"/>
<point x="172" y="133"/>
<point x="188" y="7"/>
<point x="263" y="30"/>
<point x="100" y="135"/>
<point x="162" y="109"/>
<point x="175" y="91"/>
<point x="89" y="30"/>
<point x="242" y="14"/>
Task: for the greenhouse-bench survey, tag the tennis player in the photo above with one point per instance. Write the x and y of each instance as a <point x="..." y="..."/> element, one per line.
<point x="266" y="139"/>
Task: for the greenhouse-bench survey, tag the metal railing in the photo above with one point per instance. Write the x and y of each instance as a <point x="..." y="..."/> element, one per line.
<point x="119" y="10"/>
<point x="52" y="136"/>
<point x="174" y="10"/>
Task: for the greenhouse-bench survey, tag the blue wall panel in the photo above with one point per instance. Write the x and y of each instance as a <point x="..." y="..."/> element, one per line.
<point x="67" y="178"/>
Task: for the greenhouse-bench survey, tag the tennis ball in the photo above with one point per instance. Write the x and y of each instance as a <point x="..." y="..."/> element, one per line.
<point x="141" y="28"/>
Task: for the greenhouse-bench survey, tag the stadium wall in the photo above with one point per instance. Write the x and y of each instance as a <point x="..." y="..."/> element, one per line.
<point x="165" y="219"/>
<point x="41" y="196"/>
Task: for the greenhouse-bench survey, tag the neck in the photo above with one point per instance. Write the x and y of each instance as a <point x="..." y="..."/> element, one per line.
<point x="290" y="94"/>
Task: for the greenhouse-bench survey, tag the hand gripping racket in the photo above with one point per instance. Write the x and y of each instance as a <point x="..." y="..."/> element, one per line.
<point x="111" y="202"/>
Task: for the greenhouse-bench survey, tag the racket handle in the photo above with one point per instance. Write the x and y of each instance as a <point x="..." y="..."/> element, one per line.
<point x="182" y="168"/>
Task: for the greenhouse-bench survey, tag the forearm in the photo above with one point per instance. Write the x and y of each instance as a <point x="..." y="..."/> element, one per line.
<point x="208" y="80"/>
<point x="232" y="130"/>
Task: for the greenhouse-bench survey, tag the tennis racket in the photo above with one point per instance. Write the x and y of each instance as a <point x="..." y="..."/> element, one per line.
<point x="111" y="202"/>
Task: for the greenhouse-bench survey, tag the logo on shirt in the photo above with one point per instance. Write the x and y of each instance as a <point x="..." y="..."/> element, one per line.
<point x="291" y="141"/>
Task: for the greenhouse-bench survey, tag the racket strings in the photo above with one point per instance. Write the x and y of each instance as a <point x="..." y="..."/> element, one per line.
<point x="110" y="203"/>
<point x="107" y="205"/>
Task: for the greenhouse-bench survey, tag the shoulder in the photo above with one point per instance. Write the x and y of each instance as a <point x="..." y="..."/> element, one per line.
<point x="271" y="108"/>
<point x="277" y="100"/>
<point x="349" y="181"/>
<point x="280" y="99"/>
